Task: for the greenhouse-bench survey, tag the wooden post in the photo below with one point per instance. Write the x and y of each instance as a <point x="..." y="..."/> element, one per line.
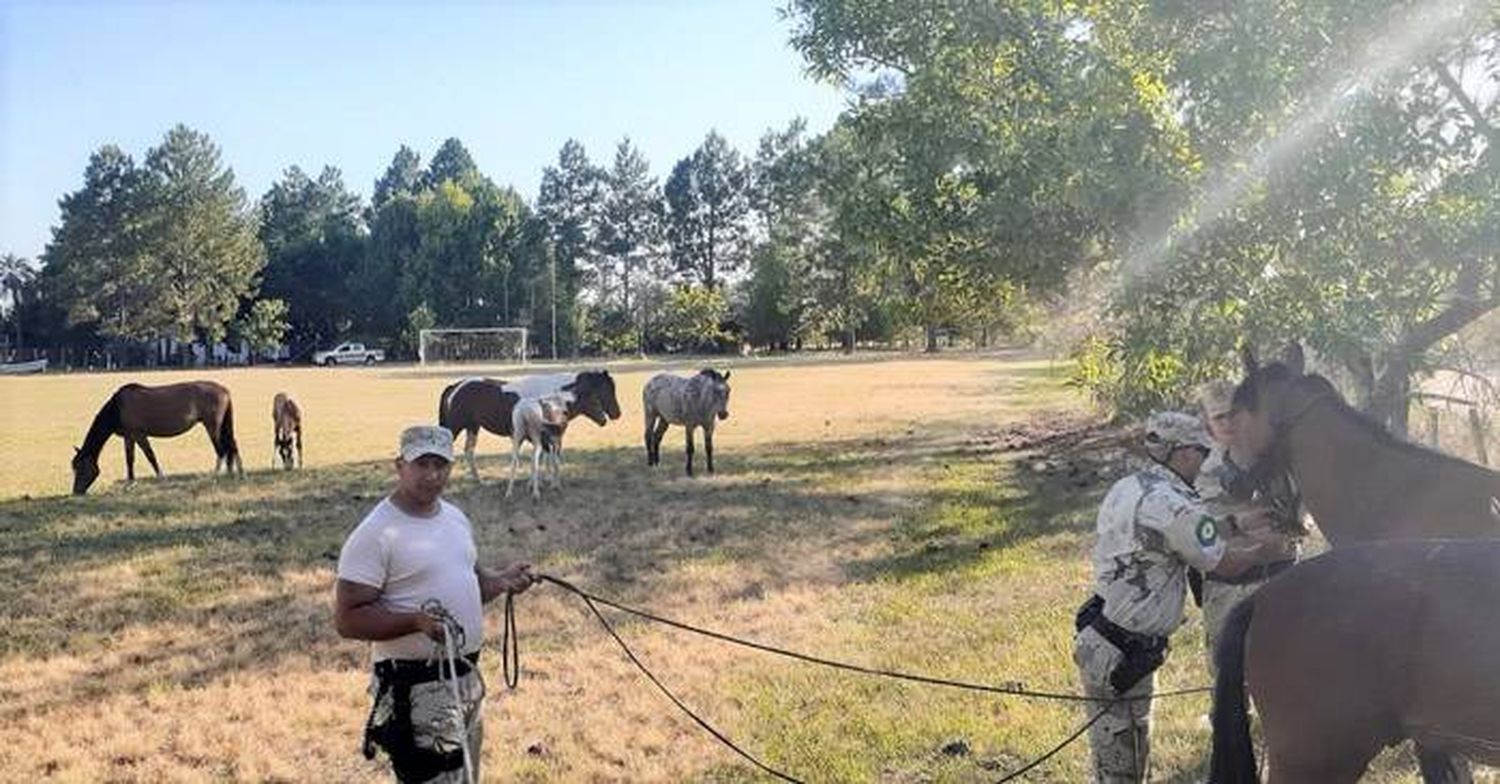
<point x="1432" y="428"/>
<point x="1481" y="436"/>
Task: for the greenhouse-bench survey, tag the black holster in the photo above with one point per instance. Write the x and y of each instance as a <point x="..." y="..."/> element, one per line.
<point x="1141" y="653"/>
<point x="397" y="736"/>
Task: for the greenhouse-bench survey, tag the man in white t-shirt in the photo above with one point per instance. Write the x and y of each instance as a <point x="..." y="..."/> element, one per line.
<point x="408" y="574"/>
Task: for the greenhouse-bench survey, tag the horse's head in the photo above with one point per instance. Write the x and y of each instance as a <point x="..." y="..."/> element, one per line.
<point x="719" y="388"/>
<point x="284" y="448"/>
<point x="1269" y="399"/>
<point x="594" y="396"/>
<point x="85" y="471"/>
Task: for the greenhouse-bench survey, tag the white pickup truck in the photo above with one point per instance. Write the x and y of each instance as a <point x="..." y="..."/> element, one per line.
<point x="348" y="354"/>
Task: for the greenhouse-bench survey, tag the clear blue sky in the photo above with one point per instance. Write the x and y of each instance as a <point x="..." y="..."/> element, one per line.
<point x="345" y="83"/>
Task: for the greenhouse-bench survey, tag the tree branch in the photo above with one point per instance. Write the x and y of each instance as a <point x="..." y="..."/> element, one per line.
<point x="1470" y="108"/>
<point x="1457" y="316"/>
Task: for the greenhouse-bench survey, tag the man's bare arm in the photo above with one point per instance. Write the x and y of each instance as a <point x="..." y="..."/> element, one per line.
<point x="359" y="615"/>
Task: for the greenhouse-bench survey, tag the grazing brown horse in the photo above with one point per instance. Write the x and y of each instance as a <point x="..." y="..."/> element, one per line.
<point x="473" y="403"/>
<point x="1362" y="485"/>
<point x="135" y="412"/>
<point x="1358" y="649"/>
<point x="286" y="417"/>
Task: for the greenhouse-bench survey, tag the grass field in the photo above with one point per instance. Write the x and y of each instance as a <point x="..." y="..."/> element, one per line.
<point x="870" y="511"/>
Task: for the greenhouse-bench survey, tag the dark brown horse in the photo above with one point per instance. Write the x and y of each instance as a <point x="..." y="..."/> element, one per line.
<point x="286" y="418"/>
<point x="1362" y="485"/>
<point x="471" y="404"/>
<point x="1359" y="482"/>
<point x="1359" y="649"/>
<point x="135" y="412"/>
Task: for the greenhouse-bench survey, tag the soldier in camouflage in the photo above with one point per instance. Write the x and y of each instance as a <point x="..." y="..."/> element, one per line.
<point x="1215" y="480"/>
<point x="1151" y="528"/>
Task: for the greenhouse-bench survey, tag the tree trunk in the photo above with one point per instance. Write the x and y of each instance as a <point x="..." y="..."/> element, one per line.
<point x="932" y="338"/>
<point x="1390" y="401"/>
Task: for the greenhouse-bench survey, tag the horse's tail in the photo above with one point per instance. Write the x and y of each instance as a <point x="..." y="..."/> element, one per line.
<point x="1233" y="754"/>
<point x="443" y="400"/>
<point x="229" y="449"/>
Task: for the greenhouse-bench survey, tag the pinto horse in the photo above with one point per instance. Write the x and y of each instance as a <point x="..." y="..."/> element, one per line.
<point x="286" y="417"/>
<point x="473" y="403"/>
<point x="135" y="412"/>
<point x="1363" y="486"/>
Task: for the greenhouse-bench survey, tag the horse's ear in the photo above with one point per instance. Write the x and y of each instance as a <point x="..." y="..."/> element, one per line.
<point x="726" y="374"/>
<point x="77" y="451"/>
<point x="1248" y="360"/>
<point x="1291" y="356"/>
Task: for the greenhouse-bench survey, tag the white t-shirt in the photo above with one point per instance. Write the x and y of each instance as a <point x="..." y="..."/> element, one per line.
<point x="414" y="559"/>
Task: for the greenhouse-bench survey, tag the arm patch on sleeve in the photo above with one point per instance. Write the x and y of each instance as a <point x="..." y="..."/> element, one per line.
<point x="1207" y="531"/>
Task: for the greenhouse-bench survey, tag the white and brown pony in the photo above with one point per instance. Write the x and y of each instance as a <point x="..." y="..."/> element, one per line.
<point x="135" y="412"/>
<point x="473" y="403"/>
<point x="286" y="417"/>
<point x="542" y="421"/>
<point x="694" y="402"/>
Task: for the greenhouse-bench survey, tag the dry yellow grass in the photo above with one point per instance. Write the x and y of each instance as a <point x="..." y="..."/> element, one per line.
<point x="180" y="631"/>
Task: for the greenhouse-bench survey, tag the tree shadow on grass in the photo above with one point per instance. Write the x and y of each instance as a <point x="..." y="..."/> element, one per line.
<point x="242" y="565"/>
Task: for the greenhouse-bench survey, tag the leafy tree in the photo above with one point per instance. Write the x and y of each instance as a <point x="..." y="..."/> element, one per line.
<point x="314" y="238"/>
<point x="707" y="207"/>
<point x="1365" y="227"/>
<point x="402" y="177"/>
<point x="165" y="250"/>
<point x="630" y="238"/>
<point x="263" y="325"/>
<point x="451" y="162"/>
<point x="692" y="319"/>
<point x="568" y="206"/>
<point x="204" y="256"/>
<point x="94" y="268"/>
<point x="16" y="279"/>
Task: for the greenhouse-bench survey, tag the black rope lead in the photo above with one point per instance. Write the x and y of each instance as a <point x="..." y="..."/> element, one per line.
<point x="724" y="739"/>
<point x="510" y="645"/>
<point x="590" y="600"/>
<point x="1016" y="691"/>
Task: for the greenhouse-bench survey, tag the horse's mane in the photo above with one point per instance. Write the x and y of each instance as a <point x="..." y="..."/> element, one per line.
<point x="1318" y="385"/>
<point x="104" y="424"/>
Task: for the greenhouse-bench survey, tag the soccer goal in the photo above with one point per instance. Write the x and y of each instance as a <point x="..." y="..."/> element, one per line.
<point x="472" y="344"/>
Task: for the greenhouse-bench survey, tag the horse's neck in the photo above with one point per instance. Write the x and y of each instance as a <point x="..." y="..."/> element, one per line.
<point x="1345" y="475"/>
<point x="106" y="422"/>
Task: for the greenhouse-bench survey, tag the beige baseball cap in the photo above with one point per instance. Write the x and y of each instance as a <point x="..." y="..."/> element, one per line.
<point x="419" y="440"/>
<point x="1216" y="397"/>
<point x="1174" y="429"/>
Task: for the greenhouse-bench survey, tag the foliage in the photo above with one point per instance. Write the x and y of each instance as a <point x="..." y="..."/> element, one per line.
<point x="313" y="233"/>
<point x="264" y="325"/>
<point x="164" y="250"/>
<point x="693" y="319"/>
<point x="707" y="209"/>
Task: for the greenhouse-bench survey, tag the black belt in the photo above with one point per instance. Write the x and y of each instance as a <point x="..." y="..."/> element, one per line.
<point x="1255" y="574"/>
<point x="1124" y="639"/>
<point x="414" y="671"/>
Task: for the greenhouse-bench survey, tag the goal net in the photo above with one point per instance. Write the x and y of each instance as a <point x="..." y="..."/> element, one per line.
<point x="474" y="344"/>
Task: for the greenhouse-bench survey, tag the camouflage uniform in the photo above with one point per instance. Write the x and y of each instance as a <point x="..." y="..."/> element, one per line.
<point x="1151" y="529"/>
<point x="1220" y="596"/>
<point x="437" y="723"/>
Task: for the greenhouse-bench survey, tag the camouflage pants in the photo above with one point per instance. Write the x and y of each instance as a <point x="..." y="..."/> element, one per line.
<point x="1121" y="739"/>
<point x="437" y="722"/>
<point x="1218" y="599"/>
